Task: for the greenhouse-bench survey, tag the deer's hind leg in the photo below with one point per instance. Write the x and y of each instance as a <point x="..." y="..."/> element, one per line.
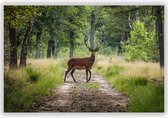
<point x="66" y="73"/>
<point x="73" y="70"/>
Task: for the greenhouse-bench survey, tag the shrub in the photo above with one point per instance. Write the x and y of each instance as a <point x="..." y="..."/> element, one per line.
<point x="141" y="45"/>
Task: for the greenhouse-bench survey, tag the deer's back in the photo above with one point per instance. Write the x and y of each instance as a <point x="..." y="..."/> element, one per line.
<point x="80" y="63"/>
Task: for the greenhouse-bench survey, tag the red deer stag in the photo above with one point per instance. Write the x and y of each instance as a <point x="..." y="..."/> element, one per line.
<point x="82" y="63"/>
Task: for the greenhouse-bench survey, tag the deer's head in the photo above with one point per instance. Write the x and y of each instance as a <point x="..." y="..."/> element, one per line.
<point x="93" y="51"/>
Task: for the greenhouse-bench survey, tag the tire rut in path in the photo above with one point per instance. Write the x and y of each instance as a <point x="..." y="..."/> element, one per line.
<point x="78" y="97"/>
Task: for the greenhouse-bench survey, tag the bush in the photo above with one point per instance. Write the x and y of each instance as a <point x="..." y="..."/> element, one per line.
<point x="141" y="45"/>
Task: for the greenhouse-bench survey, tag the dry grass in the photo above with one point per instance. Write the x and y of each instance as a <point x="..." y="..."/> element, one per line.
<point x="41" y="62"/>
<point x="142" y="81"/>
<point x="133" y="69"/>
<point x="142" y="69"/>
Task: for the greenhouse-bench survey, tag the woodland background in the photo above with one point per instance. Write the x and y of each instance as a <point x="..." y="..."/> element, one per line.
<point x="38" y="41"/>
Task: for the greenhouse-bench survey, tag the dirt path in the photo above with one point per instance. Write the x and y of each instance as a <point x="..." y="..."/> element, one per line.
<point x="79" y="97"/>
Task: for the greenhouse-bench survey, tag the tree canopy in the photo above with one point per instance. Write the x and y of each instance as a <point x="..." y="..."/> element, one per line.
<point x="59" y="31"/>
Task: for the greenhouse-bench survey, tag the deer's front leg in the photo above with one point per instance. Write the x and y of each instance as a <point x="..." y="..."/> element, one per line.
<point x="86" y="75"/>
<point x="90" y="75"/>
<point x="72" y="75"/>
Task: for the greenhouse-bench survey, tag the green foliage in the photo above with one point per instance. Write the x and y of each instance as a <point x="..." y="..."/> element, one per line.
<point x="106" y="50"/>
<point x="19" y="94"/>
<point x="113" y="70"/>
<point x="141" y="45"/>
<point x="18" y="16"/>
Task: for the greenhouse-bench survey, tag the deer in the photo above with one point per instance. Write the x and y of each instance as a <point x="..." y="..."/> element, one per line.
<point x="83" y="63"/>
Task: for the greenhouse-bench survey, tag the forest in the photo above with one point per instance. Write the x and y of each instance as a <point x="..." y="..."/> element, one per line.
<point x="39" y="41"/>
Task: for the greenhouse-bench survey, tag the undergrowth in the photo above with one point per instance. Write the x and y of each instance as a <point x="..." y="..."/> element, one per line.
<point x="24" y="86"/>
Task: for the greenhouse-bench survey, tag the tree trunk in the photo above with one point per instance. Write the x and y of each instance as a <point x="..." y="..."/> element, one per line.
<point x="71" y="44"/>
<point x="49" y="49"/>
<point x="13" y="48"/>
<point x="137" y="17"/>
<point x="52" y="47"/>
<point x="160" y="34"/>
<point x="25" y="42"/>
<point x="55" y="49"/>
<point x="38" y="36"/>
<point x="92" y="30"/>
<point x="6" y="45"/>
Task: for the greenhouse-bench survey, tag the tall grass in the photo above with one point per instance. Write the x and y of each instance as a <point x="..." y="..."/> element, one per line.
<point x="141" y="81"/>
<point x="26" y="85"/>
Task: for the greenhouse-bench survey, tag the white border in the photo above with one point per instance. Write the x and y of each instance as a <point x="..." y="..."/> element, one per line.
<point x="84" y="2"/>
<point x="79" y="2"/>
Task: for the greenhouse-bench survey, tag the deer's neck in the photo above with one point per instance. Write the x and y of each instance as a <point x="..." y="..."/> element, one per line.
<point x="92" y="57"/>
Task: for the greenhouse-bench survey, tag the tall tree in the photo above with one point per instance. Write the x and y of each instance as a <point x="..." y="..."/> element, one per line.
<point x="71" y="44"/>
<point x="49" y="48"/>
<point x="54" y="24"/>
<point x="92" y="30"/>
<point x="75" y="22"/>
<point x="160" y="35"/>
<point x="38" y="36"/>
<point x="25" y="42"/>
<point x="13" y="48"/>
<point x="38" y="28"/>
<point x="10" y="22"/>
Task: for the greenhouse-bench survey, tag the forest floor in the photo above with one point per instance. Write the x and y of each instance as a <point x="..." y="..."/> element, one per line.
<point x="95" y="96"/>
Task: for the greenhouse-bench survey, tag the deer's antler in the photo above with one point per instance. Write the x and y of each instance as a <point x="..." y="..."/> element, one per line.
<point x="86" y="44"/>
<point x="101" y="43"/>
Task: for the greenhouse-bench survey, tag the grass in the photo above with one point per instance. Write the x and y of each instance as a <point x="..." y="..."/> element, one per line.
<point x="141" y="81"/>
<point x="24" y="86"/>
<point x="93" y="85"/>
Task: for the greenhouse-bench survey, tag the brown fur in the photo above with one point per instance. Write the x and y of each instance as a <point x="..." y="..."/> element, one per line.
<point x="82" y="63"/>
